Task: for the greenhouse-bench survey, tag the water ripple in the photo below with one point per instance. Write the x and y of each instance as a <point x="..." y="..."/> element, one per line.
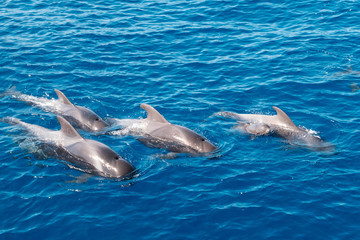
<point x="190" y="60"/>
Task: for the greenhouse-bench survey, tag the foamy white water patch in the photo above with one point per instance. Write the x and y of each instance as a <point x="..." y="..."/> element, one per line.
<point x="128" y="126"/>
<point x="49" y="105"/>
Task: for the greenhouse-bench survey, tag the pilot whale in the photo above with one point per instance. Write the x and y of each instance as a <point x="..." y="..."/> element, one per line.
<point x="79" y="116"/>
<point x="77" y="152"/>
<point x="156" y="132"/>
<point x="279" y="125"/>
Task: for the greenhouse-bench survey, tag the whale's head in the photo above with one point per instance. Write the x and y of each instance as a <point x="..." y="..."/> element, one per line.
<point x="101" y="159"/>
<point x="202" y="145"/>
<point x="191" y="139"/>
<point x="89" y="120"/>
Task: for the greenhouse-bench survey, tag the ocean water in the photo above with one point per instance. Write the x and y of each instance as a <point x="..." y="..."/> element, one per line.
<point x="188" y="59"/>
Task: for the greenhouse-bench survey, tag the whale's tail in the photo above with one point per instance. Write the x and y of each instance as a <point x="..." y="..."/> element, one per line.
<point x="11" y="120"/>
<point x="11" y="91"/>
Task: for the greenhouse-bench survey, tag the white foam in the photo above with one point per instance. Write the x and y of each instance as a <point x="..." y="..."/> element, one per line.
<point x="129" y="126"/>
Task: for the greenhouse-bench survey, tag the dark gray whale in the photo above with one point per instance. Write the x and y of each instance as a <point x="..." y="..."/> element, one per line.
<point x="81" y="117"/>
<point x="156" y="132"/>
<point x="77" y="152"/>
<point x="280" y="125"/>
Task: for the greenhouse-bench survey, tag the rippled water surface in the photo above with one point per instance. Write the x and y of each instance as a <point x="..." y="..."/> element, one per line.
<point x="188" y="59"/>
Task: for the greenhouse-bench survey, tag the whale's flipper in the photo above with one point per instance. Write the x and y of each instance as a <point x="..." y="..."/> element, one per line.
<point x="153" y="114"/>
<point x="67" y="129"/>
<point x="283" y="117"/>
<point x="62" y="97"/>
<point x="83" y="178"/>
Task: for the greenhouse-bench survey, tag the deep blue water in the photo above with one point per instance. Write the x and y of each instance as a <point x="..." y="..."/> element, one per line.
<point x="189" y="59"/>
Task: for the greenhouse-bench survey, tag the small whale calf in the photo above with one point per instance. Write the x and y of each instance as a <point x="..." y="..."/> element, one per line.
<point x="156" y="132"/>
<point x="81" y="117"/>
<point x="77" y="152"/>
<point x="280" y="125"/>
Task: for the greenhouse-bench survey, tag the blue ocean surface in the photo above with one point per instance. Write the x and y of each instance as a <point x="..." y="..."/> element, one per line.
<point x="189" y="60"/>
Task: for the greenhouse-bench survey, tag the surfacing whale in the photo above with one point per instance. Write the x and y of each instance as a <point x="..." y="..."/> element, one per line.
<point x="279" y="125"/>
<point x="79" y="116"/>
<point x="77" y="152"/>
<point x="156" y="132"/>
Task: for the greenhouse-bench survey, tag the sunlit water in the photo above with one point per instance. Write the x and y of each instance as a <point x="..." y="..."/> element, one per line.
<point x="188" y="59"/>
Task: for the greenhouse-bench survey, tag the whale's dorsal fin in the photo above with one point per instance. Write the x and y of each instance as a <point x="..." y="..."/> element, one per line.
<point x="153" y="114"/>
<point x="283" y="117"/>
<point x="62" y="97"/>
<point x="68" y="129"/>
